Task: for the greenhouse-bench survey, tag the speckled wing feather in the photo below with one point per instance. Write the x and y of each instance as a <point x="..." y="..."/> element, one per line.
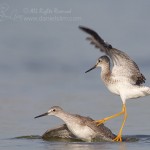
<point x="124" y="66"/>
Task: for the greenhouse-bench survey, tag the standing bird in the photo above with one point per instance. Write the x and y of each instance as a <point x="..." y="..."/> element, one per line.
<point x="124" y="79"/>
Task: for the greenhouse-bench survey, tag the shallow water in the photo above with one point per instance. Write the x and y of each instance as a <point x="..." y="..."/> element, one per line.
<point x="42" y="64"/>
<point x="142" y="142"/>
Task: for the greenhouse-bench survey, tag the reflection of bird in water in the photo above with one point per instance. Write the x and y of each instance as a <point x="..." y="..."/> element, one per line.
<point x="125" y="78"/>
<point x="83" y="128"/>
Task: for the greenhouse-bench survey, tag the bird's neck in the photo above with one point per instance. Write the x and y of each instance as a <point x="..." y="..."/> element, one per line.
<point x="66" y="117"/>
<point x="105" y="72"/>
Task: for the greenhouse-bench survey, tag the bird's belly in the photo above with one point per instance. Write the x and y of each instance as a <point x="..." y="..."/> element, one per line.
<point x="83" y="132"/>
<point x="134" y="91"/>
<point x="113" y="88"/>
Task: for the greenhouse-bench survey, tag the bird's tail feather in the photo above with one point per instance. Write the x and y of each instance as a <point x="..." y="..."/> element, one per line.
<point x="145" y="90"/>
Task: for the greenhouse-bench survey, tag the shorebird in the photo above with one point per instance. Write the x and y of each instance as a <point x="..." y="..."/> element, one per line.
<point x="124" y="79"/>
<point x="83" y="128"/>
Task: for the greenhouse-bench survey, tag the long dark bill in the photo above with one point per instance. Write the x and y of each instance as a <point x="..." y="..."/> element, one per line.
<point x="91" y="69"/>
<point x="45" y="114"/>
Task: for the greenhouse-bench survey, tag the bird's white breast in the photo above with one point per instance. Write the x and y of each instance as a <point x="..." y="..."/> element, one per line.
<point x="114" y="88"/>
<point x="82" y="131"/>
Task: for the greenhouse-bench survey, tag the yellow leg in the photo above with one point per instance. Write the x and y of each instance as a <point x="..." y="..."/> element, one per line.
<point x="123" y="111"/>
<point x="119" y="136"/>
<point x="98" y="122"/>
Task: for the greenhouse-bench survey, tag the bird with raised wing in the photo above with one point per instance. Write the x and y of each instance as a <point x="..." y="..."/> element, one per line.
<point x="124" y="79"/>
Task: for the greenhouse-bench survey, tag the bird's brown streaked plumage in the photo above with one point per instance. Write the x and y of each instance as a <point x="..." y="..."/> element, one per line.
<point x="124" y="66"/>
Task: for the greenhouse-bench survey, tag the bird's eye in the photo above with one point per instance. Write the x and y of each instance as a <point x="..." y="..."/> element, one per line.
<point x="54" y="110"/>
<point x="99" y="60"/>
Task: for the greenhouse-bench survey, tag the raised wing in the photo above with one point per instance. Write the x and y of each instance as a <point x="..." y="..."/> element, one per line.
<point x="123" y="64"/>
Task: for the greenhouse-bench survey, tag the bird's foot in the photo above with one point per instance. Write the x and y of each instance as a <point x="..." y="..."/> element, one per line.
<point x="118" y="138"/>
<point x="99" y="122"/>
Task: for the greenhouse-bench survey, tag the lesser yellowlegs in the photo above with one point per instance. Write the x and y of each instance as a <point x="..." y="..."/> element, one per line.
<point x="82" y="127"/>
<point x="124" y="79"/>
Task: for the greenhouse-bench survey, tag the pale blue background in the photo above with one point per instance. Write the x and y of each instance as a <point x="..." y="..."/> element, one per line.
<point x="42" y="63"/>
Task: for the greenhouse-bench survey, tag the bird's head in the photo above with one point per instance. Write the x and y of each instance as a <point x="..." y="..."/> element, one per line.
<point x="53" y="111"/>
<point x="102" y="61"/>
